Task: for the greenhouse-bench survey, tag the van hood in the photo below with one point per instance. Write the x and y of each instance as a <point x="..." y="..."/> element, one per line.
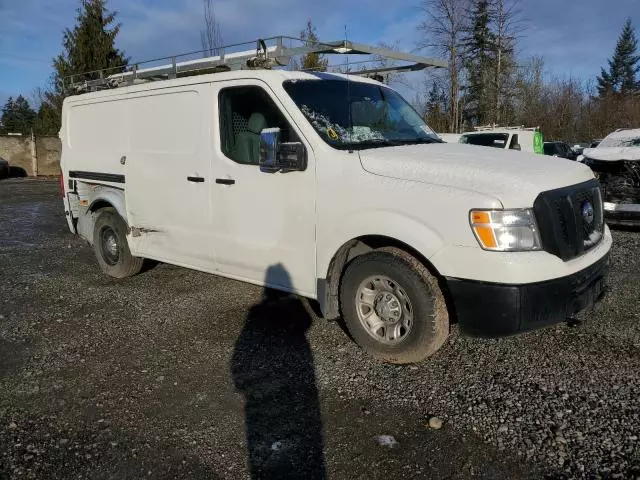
<point x="514" y="178"/>
<point x="613" y="154"/>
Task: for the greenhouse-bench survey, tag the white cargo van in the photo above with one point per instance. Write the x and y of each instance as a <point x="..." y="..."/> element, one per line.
<point x="506" y="138"/>
<point x="332" y="187"/>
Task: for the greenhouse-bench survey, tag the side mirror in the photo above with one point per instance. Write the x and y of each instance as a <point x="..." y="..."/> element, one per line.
<point x="276" y="155"/>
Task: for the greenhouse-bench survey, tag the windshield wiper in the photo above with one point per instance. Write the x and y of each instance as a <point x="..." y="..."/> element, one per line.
<point x="373" y="143"/>
<point x="384" y="142"/>
<point x="416" y="141"/>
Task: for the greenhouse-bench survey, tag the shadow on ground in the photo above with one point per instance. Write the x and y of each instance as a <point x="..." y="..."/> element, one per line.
<point x="272" y="366"/>
<point x="17" y="172"/>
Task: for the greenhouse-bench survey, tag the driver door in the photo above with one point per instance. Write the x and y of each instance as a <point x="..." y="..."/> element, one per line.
<point x="262" y="220"/>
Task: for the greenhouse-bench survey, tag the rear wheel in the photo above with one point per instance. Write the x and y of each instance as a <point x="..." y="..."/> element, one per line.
<point x="393" y="306"/>
<point x="111" y="247"/>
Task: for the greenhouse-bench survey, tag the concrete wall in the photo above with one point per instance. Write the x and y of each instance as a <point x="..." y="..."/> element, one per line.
<point x="40" y="157"/>
<point x="48" y="154"/>
<point x="18" y="152"/>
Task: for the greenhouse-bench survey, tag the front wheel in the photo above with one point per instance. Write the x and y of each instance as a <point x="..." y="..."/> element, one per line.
<point x="393" y="306"/>
<point x="111" y="247"/>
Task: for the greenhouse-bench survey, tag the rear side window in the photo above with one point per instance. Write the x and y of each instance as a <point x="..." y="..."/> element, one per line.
<point x="244" y="113"/>
<point x="497" y="140"/>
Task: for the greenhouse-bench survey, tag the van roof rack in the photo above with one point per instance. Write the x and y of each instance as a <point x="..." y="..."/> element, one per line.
<point x="269" y="53"/>
<point x="485" y="128"/>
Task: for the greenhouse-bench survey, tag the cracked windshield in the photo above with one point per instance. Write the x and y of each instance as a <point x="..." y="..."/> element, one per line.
<point x="350" y="115"/>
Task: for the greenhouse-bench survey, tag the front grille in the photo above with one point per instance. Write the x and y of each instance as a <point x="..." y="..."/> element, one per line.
<point x="570" y="219"/>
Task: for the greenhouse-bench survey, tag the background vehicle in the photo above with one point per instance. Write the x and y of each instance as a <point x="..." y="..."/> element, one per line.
<point x="332" y="187"/>
<point x="616" y="164"/>
<point x="507" y="138"/>
<point x="578" y="148"/>
<point x="559" y="149"/>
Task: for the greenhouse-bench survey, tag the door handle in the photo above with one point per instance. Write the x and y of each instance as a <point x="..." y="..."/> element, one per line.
<point x="196" y="179"/>
<point x="225" y="181"/>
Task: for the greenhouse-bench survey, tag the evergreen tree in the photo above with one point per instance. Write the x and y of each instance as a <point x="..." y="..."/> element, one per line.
<point x="46" y="121"/>
<point x="623" y="67"/>
<point x="312" y="61"/>
<point x="17" y="115"/>
<point x="7" y="111"/>
<point x="88" y="47"/>
<point x="479" y="58"/>
<point x="436" y="112"/>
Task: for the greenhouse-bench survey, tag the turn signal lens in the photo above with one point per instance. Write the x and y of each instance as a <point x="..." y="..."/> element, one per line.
<point x="485" y="236"/>
<point x="480" y="217"/>
<point x="505" y="230"/>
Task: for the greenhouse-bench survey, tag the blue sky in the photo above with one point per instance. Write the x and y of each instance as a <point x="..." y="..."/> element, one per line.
<point x="575" y="37"/>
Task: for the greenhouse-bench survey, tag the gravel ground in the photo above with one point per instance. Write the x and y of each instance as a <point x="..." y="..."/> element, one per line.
<point x="179" y="374"/>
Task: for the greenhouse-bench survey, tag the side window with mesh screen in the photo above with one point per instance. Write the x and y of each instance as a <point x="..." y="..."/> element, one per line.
<point x="244" y="113"/>
<point x="515" y="143"/>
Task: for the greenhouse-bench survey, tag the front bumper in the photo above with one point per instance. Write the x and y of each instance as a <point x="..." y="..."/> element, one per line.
<point x="623" y="214"/>
<point x="493" y="309"/>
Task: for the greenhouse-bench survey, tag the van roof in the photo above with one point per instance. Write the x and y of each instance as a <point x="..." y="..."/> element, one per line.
<point x="268" y="76"/>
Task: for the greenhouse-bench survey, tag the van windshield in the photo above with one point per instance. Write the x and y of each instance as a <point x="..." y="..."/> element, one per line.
<point x="357" y="115"/>
<point x="620" y="140"/>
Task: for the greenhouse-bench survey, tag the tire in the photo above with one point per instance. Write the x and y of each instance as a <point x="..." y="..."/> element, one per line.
<point x="421" y="327"/>
<point x="114" y="259"/>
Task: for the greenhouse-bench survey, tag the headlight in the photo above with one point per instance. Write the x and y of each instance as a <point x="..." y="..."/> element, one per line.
<point x="506" y="230"/>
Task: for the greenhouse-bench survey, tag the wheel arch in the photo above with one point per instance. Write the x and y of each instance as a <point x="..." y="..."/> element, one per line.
<point x="106" y="197"/>
<point x="329" y="286"/>
<point x="100" y="198"/>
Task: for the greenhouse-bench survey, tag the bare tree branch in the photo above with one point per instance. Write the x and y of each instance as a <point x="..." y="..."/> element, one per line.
<point x="443" y="28"/>
<point x="210" y="36"/>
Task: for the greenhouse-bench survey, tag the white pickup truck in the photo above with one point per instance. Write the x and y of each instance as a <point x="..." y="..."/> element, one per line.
<point x="332" y="187"/>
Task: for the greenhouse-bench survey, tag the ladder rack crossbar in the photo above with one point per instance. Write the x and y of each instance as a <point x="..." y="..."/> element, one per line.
<point x="268" y="53"/>
<point x="485" y="128"/>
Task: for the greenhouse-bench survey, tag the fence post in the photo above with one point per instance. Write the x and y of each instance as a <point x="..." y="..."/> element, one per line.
<point x="34" y="154"/>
